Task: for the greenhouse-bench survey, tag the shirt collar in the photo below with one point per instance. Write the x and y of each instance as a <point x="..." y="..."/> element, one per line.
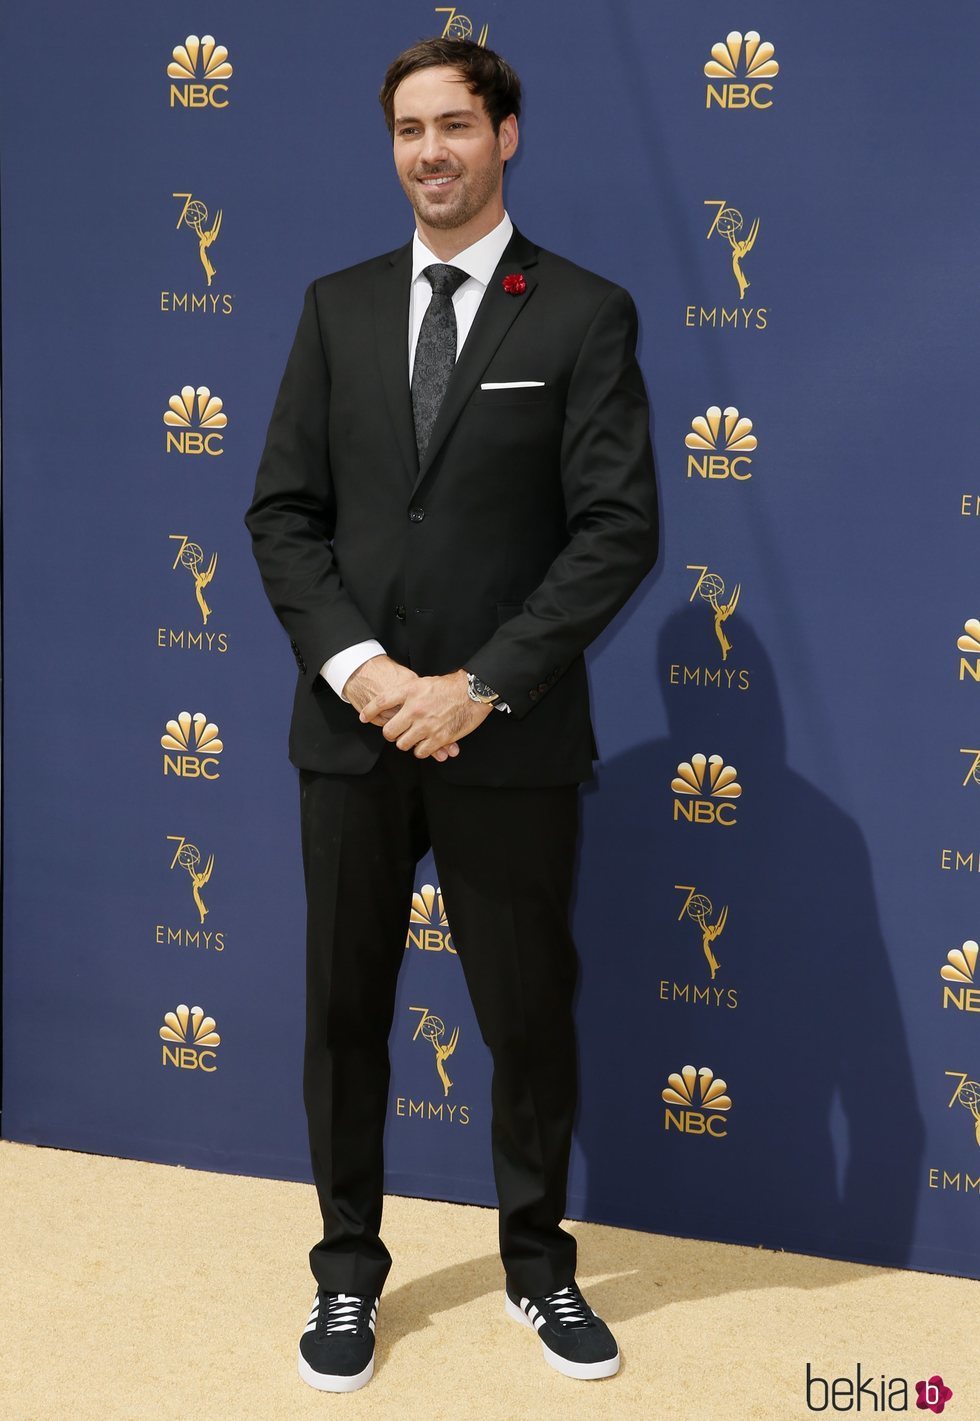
<point x="478" y="260"/>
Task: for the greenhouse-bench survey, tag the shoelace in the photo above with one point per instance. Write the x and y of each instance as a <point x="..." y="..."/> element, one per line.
<point x="569" y="1307"/>
<point x="341" y="1313"/>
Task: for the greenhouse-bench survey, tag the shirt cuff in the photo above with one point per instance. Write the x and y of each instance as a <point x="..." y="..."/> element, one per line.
<point x="337" y="669"/>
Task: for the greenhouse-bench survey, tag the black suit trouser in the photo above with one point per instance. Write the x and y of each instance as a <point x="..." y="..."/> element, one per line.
<point x="505" y="859"/>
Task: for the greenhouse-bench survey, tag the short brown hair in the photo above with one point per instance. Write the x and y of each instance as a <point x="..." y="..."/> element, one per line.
<point x="483" y="71"/>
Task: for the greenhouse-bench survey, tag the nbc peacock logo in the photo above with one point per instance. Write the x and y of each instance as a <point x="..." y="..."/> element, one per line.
<point x="959" y="973"/>
<point x="198" y="74"/>
<point x="720" y="442"/>
<point x="191" y="747"/>
<point x="189" y="1039"/>
<point x="697" y="1102"/>
<point x="705" y="789"/>
<point x="428" y="926"/>
<point x="739" y="72"/>
<point x="969" y="642"/>
<point x="459" y="26"/>
<point x="194" y="421"/>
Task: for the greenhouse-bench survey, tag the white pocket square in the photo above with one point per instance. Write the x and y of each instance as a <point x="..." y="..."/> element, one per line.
<point x="510" y="384"/>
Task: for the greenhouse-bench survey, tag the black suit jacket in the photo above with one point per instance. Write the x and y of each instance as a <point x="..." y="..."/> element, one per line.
<point x="532" y="518"/>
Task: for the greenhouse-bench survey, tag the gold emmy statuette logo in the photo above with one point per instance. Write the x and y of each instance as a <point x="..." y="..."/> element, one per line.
<point x="973" y="773"/>
<point x="194" y="215"/>
<point x="428" y="926"/>
<point x="969" y="642"/>
<point x="689" y="1090"/>
<point x="960" y="969"/>
<point x="191" y="556"/>
<point x="193" y="419"/>
<point x="698" y="907"/>
<point x="195" y="741"/>
<point x="193" y="1035"/>
<point x="741" y="64"/>
<point x="729" y="222"/>
<point x="459" y="26"/>
<point x="433" y="1029"/>
<point x="697" y="806"/>
<point x="711" y="588"/>
<point x="199" y="66"/>
<point x="188" y="856"/>
<point x="723" y="450"/>
<point x="967" y="1094"/>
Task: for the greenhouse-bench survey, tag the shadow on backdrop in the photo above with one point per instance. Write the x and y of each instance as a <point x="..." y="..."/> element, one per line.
<point x="823" y="1143"/>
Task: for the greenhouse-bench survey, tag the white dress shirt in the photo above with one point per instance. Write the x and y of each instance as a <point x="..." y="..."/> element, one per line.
<point x="479" y="261"/>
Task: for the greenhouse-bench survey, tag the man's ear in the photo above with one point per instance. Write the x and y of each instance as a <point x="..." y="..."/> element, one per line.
<point x="508" y="136"/>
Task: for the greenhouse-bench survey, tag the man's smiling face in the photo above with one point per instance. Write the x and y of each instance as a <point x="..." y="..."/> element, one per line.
<point x="448" y="158"/>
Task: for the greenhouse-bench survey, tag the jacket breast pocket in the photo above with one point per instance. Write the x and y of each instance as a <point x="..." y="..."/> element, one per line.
<point x="521" y="395"/>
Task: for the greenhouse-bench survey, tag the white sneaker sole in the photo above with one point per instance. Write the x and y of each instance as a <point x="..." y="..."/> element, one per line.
<point x="583" y="1371"/>
<point x="323" y="1381"/>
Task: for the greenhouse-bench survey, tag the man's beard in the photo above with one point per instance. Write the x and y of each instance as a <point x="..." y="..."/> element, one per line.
<point x="474" y="198"/>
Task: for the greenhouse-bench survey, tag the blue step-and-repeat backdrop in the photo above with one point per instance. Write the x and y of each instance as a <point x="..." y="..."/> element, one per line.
<point x="778" y="890"/>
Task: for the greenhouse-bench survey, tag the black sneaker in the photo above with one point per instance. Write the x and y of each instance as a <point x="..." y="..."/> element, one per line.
<point x="575" y="1341"/>
<point x="336" y="1350"/>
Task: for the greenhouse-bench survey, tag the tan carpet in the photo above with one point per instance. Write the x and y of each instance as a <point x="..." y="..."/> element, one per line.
<point x="132" y="1292"/>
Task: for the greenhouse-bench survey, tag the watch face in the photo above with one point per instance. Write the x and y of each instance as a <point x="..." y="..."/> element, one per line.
<point x="481" y="690"/>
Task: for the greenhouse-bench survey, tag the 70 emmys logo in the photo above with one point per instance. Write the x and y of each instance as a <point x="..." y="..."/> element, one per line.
<point x="194" y="214"/>
<point x="433" y="1029"/>
<point x="741" y="63"/>
<point x="967" y="1094"/>
<point x="191" y="556"/>
<point x="711" y="589"/>
<point x="728" y="223"/>
<point x="699" y="908"/>
<point x="199" y="65"/>
<point x="459" y="26"/>
<point x="188" y="855"/>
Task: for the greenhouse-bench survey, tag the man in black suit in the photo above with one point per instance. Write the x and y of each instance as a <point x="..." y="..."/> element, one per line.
<point x="456" y="495"/>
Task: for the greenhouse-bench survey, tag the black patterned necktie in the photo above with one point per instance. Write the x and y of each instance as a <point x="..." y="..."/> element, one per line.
<point x="435" y="350"/>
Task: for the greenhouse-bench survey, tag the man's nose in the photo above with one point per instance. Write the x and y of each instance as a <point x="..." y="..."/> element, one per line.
<point x="434" y="148"/>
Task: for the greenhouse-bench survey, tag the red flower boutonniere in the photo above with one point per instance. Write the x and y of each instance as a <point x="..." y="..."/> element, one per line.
<point x="514" y="284"/>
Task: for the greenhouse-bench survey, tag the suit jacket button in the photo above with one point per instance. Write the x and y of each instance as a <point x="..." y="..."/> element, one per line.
<point x="416" y="514"/>
<point x="543" y="687"/>
<point x="400" y="612"/>
<point x="533" y="695"/>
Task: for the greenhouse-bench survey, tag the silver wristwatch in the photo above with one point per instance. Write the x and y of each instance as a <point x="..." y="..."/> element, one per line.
<point x="479" y="691"/>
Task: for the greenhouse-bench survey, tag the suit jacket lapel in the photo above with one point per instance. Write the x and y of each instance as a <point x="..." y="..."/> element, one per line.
<point x="391" y="297"/>
<point x="497" y="310"/>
